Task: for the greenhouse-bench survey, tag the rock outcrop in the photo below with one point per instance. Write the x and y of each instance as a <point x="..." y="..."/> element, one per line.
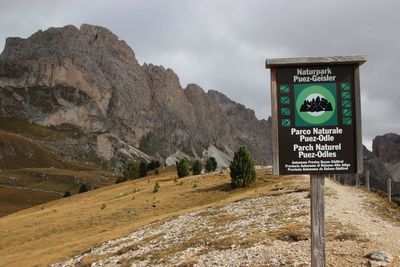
<point x="88" y="79"/>
<point x="378" y="175"/>
<point x="387" y="148"/>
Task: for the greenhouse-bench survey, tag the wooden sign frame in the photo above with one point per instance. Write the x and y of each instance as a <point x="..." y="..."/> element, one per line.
<point x="278" y="64"/>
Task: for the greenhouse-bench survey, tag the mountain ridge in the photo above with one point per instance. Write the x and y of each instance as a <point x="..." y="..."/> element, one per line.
<point x="89" y="79"/>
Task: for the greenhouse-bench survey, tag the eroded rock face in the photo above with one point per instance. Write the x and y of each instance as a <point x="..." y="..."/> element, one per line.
<point x="387" y="147"/>
<point x="89" y="79"/>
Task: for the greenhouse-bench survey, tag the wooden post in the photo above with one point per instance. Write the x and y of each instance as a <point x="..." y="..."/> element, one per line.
<point x="389" y="189"/>
<point x="367" y="180"/>
<point x="317" y="221"/>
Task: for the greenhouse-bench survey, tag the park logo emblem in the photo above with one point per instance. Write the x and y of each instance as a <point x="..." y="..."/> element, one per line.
<point x="315" y="104"/>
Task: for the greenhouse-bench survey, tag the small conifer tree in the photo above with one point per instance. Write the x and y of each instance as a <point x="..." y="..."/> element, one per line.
<point x="182" y="168"/>
<point x="211" y="164"/>
<point x="83" y="188"/>
<point x="156" y="187"/>
<point x="243" y="172"/>
<point x="143" y="169"/>
<point x="131" y="170"/>
<point x="154" y="164"/>
<point x="197" y="167"/>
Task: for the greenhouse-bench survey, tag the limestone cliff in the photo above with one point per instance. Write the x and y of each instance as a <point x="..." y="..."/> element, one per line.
<point x="87" y="79"/>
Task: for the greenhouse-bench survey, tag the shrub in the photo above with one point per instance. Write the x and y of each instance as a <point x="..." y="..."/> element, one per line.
<point x="182" y="168"/>
<point x="131" y="170"/>
<point x="197" y="167"/>
<point x="243" y="172"/>
<point x="143" y="169"/>
<point x="157" y="172"/>
<point x="211" y="164"/>
<point x="120" y="179"/>
<point x="67" y="194"/>
<point x="154" y="164"/>
<point x="156" y="187"/>
<point x="83" y="188"/>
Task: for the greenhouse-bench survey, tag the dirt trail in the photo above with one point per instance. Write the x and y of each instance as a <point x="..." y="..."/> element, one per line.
<point x="31" y="189"/>
<point x="268" y="230"/>
<point x="365" y="211"/>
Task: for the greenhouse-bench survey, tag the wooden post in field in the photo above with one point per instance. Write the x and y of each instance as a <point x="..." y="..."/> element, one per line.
<point x="367" y="180"/>
<point x="317" y="221"/>
<point x="389" y="189"/>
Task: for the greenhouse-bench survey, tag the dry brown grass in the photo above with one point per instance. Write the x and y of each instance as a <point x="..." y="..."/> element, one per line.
<point x="36" y="131"/>
<point x="19" y="152"/>
<point x="54" y="179"/>
<point x="336" y="231"/>
<point x="380" y="205"/>
<point x="60" y="229"/>
<point x="47" y="179"/>
<point x="14" y="199"/>
<point x="224" y="219"/>
<point x="291" y="232"/>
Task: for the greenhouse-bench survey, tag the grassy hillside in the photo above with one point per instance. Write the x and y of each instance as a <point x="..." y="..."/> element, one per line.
<point x="15" y="199"/>
<point x="34" y="131"/>
<point x="17" y="152"/>
<point x="59" y="229"/>
<point x="54" y="179"/>
<point x="25" y="163"/>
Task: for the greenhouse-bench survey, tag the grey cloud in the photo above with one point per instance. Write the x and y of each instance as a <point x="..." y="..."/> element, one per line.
<point x="222" y="45"/>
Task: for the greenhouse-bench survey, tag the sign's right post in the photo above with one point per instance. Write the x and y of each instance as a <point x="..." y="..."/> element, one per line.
<point x="316" y="126"/>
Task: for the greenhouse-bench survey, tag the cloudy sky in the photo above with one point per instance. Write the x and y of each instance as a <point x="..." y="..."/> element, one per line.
<point x="223" y="44"/>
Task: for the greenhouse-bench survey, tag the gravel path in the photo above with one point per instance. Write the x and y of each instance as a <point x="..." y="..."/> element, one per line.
<point x="261" y="231"/>
<point x="352" y="206"/>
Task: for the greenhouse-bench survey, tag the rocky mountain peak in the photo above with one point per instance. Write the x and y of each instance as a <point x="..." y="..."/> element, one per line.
<point x="159" y="77"/>
<point x="90" y="79"/>
<point x="387" y="147"/>
<point x="100" y="37"/>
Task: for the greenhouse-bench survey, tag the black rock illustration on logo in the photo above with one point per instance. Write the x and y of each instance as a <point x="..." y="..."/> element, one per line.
<point x="316" y="104"/>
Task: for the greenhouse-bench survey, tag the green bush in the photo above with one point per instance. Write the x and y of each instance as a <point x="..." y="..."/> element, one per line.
<point x="120" y="179"/>
<point x="154" y="164"/>
<point x="83" y="188"/>
<point x="143" y="169"/>
<point x="131" y="170"/>
<point x="182" y="168"/>
<point x="211" y="164"/>
<point x="67" y="194"/>
<point x="197" y="167"/>
<point x="243" y="172"/>
<point x="156" y="187"/>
